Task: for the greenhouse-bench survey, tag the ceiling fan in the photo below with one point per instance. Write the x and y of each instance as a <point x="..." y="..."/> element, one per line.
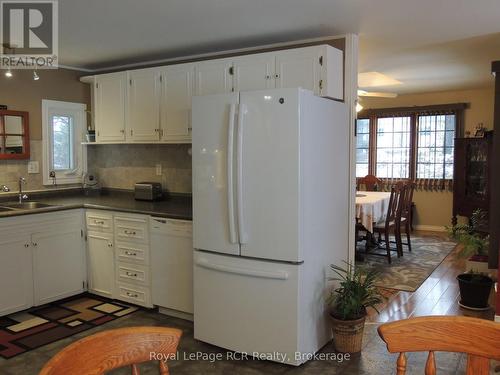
<point x="376" y="94"/>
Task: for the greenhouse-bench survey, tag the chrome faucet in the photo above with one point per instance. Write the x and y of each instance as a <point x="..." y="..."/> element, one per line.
<point x="4" y="188"/>
<point x="22" y="181"/>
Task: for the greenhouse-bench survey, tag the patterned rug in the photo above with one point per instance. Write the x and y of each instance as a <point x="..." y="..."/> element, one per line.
<point x="31" y="329"/>
<point x="411" y="270"/>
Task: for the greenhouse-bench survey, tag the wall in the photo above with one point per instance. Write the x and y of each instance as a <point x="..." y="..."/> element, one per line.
<point x="21" y="93"/>
<point x="120" y="166"/>
<point x="435" y="208"/>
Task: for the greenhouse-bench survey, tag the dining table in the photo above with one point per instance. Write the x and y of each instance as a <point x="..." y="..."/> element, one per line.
<point x="371" y="207"/>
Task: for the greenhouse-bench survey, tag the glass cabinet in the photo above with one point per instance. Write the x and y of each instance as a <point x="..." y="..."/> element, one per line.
<point x="14" y="135"/>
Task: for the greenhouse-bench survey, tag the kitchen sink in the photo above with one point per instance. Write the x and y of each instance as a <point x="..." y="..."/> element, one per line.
<point x="24" y="206"/>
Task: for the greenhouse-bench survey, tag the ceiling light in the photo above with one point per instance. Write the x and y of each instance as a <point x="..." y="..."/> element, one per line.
<point x="36" y="77"/>
<point x="359" y="107"/>
<point x="8" y="73"/>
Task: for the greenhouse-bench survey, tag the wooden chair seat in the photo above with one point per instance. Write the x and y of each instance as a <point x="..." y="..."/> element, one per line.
<point x="478" y="338"/>
<point x="112" y="349"/>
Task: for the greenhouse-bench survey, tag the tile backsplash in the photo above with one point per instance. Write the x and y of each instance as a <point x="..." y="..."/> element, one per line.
<point x="120" y="166"/>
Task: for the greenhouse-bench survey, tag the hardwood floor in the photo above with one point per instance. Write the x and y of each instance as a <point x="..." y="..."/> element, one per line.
<point x="438" y="295"/>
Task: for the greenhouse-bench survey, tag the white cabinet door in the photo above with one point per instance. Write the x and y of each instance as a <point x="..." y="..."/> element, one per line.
<point x="101" y="263"/>
<point x="110" y="92"/>
<point x="59" y="264"/>
<point x="254" y="72"/>
<point x="299" y="68"/>
<point x="213" y="77"/>
<point x="16" y="274"/>
<point x="177" y="90"/>
<point x="143" y="108"/>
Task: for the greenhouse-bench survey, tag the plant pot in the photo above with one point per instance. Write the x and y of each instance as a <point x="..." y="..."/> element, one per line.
<point x="348" y="334"/>
<point x="474" y="290"/>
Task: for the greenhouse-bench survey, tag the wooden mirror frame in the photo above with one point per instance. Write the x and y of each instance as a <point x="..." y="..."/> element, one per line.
<point x="25" y="135"/>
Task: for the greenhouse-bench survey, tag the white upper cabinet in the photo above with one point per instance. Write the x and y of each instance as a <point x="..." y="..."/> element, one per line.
<point x="154" y="105"/>
<point x="143" y="105"/>
<point x="213" y="77"/>
<point x="177" y="91"/>
<point x="254" y="72"/>
<point x="109" y="103"/>
<point x="299" y="68"/>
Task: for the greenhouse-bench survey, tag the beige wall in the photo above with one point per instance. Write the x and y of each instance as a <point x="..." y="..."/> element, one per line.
<point x="435" y="208"/>
<point x="21" y="93"/>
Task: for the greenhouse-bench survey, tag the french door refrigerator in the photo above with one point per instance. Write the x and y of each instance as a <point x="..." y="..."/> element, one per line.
<point x="270" y="214"/>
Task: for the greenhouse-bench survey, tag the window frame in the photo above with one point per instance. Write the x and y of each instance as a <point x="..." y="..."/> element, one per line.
<point x="413" y="112"/>
<point x="77" y="111"/>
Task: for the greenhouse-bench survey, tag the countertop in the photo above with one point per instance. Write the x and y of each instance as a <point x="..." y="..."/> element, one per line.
<point x="174" y="206"/>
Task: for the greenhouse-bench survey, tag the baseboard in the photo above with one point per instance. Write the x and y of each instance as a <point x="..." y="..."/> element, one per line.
<point x="431" y="228"/>
<point x="175" y="313"/>
<point x="497" y="318"/>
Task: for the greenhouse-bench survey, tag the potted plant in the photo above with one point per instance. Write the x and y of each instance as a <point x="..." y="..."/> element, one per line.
<point x="475" y="285"/>
<point x="349" y="302"/>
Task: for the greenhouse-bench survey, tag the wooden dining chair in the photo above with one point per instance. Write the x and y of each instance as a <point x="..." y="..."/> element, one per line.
<point x="390" y="224"/>
<point x="370" y="183"/>
<point x="405" y="216"/>
<point x="112" y="349"/>
<point x="478" y="338"/>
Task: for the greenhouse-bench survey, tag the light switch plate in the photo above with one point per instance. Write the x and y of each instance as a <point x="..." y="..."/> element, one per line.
<point x="33" y="167"/>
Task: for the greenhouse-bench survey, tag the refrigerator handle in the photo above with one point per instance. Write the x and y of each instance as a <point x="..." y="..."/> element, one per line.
<point x="239" y="173"/>
<point x="230" y="180"/>
<point x="263" y="274"/>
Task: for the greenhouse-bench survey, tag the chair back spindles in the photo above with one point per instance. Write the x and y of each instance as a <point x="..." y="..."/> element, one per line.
<point x="401" y="364"/>
<point x="478" y="338"/>
<point x="135" y="370"/>
<point x="430" y="365"/>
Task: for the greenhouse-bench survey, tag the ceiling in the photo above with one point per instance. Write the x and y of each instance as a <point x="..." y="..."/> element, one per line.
<point x="428" y="45"/>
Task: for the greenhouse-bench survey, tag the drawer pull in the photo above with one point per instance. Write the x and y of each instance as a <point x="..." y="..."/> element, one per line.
<point x="130" y="233"/>
<point x="131" y="274"/>
<point x="130" y="253"/>
<point x="132" y="295"/>
<point x="99" y="222"/>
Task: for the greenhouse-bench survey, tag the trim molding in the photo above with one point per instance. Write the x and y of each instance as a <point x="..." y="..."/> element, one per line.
<point x="431" y="228"/>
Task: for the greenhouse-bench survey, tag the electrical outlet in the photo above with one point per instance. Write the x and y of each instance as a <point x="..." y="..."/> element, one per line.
<point x="158" y="169"/>
<point x="33" y="167"/>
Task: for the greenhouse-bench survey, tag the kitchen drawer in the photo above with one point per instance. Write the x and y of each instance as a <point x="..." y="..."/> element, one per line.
<point x="134" y="294"/>
<point x="99" y="222"/>
<point x="132" y="252"/>
<point x="133" y="273"/>
<point x="131" y="229"/>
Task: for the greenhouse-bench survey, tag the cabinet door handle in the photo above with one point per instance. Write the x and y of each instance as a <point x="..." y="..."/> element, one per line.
<point x="110" y="244"/>
<point x="26" y="245"/>
<point x="276" y="75"/>
<point x="35" y="244"/>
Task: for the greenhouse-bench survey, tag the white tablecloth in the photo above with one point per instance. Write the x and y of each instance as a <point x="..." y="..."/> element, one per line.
<point x="371" y="207"/>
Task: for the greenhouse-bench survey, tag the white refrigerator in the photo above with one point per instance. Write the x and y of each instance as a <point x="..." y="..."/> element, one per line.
<point x="270" y="214"/>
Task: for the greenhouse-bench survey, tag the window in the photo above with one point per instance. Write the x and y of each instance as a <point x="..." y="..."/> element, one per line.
<point x="362" y="147"/>
<point x="393" y="147"/>
<point x="64" y="159"/>
<point x="436" y="134"/>
<point x="408" y="143"/>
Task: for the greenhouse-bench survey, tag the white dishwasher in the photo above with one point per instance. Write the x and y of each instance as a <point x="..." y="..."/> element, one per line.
<point x="172" y="265"/>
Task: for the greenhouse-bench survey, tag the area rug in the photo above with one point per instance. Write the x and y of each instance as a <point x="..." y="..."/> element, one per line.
<point x="31" y="329"/>
<point x="408" y="272"/>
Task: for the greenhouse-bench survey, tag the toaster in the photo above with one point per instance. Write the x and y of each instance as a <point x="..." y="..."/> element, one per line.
<point x="148" y="191"/>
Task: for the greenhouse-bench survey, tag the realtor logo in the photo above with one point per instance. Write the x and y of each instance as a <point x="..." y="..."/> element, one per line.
<point x="29" y="34"/>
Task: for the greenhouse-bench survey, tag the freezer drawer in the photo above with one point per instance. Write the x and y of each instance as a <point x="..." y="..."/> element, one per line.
<point x="246" y="305"/>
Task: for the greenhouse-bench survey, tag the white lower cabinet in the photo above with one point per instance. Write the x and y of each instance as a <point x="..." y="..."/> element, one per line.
<point x="59" y="263"/>
<point x="42" y="259"/>
<point x="16" y="274"/>
<point x="101" y="263"/>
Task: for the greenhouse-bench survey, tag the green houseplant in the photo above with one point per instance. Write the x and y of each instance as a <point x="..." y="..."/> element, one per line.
<point x="349" y="302"/>
<point x="474" y="284"/>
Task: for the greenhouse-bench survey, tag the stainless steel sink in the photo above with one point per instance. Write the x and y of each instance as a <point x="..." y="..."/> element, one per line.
<point x="24" y="205"/>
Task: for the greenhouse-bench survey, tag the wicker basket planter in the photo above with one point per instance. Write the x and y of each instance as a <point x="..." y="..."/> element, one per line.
<point x="348" y="334"/>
